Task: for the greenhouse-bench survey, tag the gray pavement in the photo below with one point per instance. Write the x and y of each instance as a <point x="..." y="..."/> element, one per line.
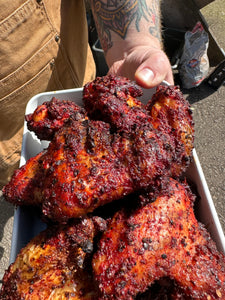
<point x="209" y="117"/>
<point x="6" y="224"/>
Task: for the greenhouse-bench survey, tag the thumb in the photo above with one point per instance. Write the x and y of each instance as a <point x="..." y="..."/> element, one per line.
<point x="154" y="69"/>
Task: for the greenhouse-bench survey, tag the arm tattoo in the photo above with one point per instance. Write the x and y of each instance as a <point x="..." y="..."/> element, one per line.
<point x="117" y="15"/>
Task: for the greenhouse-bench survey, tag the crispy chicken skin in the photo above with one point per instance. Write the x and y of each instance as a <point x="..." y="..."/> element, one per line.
<point x="50" y="116"/>
<point x="111" y="148"/>
<point x="113" y="99"/>
<point x="55" y="264"/>
<point x="168" y="106"/>
<point x="83" y="171"/>
<point x="92" y="162"/>
<point x="159" y="240"/>
<point x="26" y="185"/>
<point x="80" y="172"/>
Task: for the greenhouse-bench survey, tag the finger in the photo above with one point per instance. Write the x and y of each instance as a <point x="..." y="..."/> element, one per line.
<point x="154" y="70"/>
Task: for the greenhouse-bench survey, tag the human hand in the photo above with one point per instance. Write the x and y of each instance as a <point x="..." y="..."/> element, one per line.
<point x="148" y="66"/>
<point x="130" y="35"/>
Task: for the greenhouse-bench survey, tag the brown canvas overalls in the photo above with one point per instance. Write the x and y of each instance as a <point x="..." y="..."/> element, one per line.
<point x="43" y="46"/>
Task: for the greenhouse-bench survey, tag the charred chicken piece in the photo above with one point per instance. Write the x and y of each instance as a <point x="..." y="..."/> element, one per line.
<point x="51" y="116"/>
<point x="83" y="171"/>
<point x="26" y="183"/>
<point x="89" y="164"/>
<point x="85" y="166"/>
<point x="79" y="172"/>
<point x="114" y="100"/>
<point x="159" y="240"/>
<point x="55" y="264"/>
<point x="169" y="109"/>
<point x="168" y="112"/>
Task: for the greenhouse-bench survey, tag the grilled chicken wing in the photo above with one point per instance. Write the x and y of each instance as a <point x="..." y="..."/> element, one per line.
<point x="79" y="172"/>
<point x="168" y="106"/>
<point x="50" y="116"/>
<point x="92" y="162"/>
<point x="55" y="264"/>
<point x="26" y="183"/>
<point x="113" y="99"/>
<point x="159" y="240"/>
<point x="110" y="149"/>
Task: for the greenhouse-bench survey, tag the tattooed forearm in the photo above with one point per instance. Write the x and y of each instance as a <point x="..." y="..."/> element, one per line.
<point x="155" y="21"/>
<point x="118" y="15"/>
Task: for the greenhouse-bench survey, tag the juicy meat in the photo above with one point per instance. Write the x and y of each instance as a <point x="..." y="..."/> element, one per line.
<point x="92" y="162"/>
<point x="159" y="240"/>
<point x="50" y="116"/>
<point x="56" y="264"/>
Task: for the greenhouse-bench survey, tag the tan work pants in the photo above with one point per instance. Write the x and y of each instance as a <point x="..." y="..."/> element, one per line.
<point x="43" y="46"/>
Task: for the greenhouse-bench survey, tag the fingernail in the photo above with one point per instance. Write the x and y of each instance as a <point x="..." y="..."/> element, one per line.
<point x="146" y="75"/>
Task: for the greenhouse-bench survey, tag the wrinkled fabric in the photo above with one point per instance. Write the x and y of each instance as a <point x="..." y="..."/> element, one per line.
<point x="43" y="47"/>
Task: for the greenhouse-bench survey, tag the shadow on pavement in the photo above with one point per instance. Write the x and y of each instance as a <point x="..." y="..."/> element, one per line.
<point x="198" y="93"/>
<point x="6" y="212"/>
<point x="195" y="94"/>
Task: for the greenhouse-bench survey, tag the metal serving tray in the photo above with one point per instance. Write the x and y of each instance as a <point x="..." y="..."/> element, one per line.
<point x="27" y="222"/>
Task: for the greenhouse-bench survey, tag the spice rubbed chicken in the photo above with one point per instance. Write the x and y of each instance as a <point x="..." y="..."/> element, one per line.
<point x="120" y="146"/>
<point x="162" y="239"/>
<point x="147" y="244"/>
<point x="56" y="264"/>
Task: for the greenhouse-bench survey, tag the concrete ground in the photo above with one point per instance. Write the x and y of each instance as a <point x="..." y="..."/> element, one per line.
<point x="209" y="116"/>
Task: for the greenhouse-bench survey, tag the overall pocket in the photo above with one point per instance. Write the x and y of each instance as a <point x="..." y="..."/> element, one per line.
<point x="34" y="58"/>
<point x="12" y="108"/>
<point x="27" y="49"/>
